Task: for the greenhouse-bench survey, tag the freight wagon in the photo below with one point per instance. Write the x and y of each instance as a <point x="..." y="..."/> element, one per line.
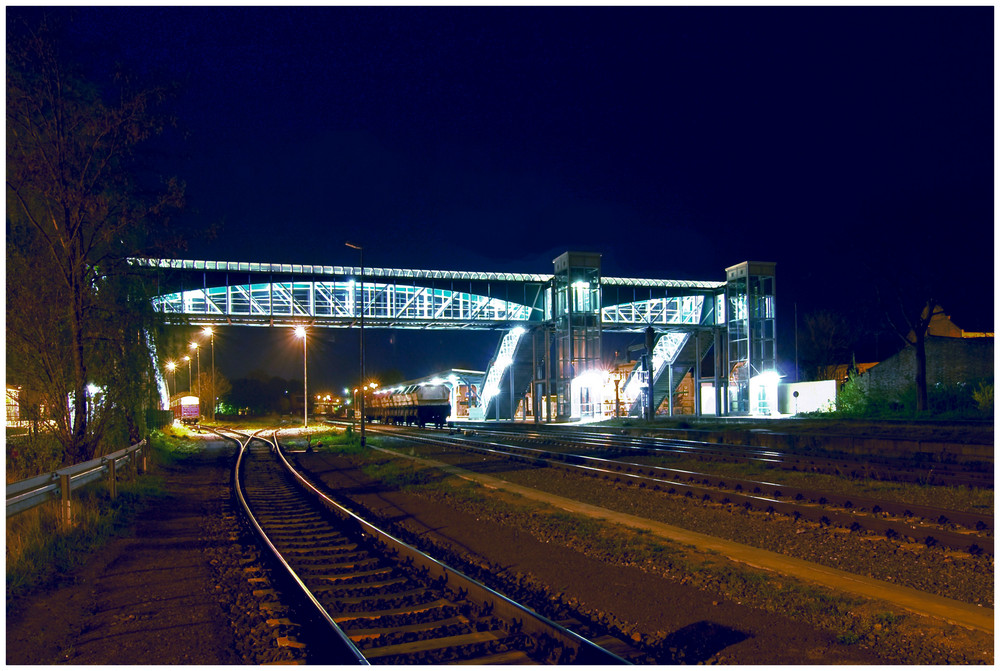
<point x="186" y="409"/>
<point x="419" y="404"/>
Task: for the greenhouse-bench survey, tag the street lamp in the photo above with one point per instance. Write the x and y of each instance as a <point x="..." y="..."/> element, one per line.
<point x="188" y="359"/>
<point x="170" y="367"/>
<point x="361" y="278"/>
<point x="211" y="334"/>
<point x="193" y="345"/>
<point x="300" y="332"/>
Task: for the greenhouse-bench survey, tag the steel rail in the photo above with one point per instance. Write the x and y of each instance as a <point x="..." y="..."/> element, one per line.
<point x="890" y="527"/>
<point x="303" y="591"/>
<point x="951" y="474"/>
<point x="939" y="474"/>
<point x="970" y="520"/>
<point x="530" y="621"/>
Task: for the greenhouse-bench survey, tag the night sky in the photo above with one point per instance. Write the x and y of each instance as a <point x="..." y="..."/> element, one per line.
<point x="674" y="141"/>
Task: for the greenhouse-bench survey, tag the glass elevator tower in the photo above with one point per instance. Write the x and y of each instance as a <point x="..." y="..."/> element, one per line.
<point x="752" y="350"/>
<point x="576" y="315"/>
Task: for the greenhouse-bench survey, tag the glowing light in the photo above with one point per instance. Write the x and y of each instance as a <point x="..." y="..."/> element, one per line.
<point x="193" y="345"/>
<point x="300" y="332"/>
<point x="93" y="389"/>
<point x="592" y="379"/>
<point x="171" y="366"/>
<point x="208" y="331"/>
<point x="764" y="393"/>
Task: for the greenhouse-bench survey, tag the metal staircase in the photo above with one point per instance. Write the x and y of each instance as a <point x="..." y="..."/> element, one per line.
<point x="676" y="351"/>
<point x="510" y="364"/>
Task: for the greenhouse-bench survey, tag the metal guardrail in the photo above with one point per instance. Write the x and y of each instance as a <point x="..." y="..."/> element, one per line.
<point x="27" y="494"/>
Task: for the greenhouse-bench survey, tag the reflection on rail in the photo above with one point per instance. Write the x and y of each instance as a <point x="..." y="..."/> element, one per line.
<point x="383" y="600"/>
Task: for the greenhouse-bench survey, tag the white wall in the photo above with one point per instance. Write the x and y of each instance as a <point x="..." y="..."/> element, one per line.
<point x="816" y="396"/>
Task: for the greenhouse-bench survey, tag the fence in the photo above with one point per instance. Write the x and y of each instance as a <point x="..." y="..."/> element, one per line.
<point x="60" y="484"/>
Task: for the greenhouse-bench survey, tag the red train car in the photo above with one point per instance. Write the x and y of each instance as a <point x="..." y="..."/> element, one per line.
<point x="186" y="408"/>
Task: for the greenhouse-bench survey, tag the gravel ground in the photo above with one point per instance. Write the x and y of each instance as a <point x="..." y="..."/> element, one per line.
<point x="895" y="636"/>
<point x="955" y="575"/>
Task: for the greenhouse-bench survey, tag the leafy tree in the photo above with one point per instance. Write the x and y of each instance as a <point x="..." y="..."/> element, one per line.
<point x="77" y="209"/>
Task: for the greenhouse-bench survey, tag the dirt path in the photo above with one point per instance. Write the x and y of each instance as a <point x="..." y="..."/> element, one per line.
<point x="171" y="593"/>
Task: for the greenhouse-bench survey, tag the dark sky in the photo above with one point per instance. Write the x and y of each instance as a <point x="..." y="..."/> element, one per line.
<point x="675" y="141"/>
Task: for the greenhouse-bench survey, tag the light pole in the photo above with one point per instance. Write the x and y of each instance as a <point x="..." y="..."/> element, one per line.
<point x="188" y="359"/>
<point x="197" y="353"/>
<point x="211" y="334"/>
<point x="355" y="401"/>
<point x="170" y="367"/>
<point x="300" y="332"/>
<point x="361" y="278"/>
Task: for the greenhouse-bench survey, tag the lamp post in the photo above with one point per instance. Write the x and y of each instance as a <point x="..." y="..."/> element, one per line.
<point x="355" y="401"/>
<point x="188" y="359"/>
<point x="170" y="367"/>
<point x="211" y="334"/>
<point x="361" y="278"/>
<point x="193" y="345"/>
<point x="300" y="332"/>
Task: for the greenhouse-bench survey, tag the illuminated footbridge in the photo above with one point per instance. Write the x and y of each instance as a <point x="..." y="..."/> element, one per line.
<point x="553" y="323"/>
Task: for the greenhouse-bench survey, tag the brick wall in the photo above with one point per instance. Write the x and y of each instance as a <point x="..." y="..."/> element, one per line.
<point x="949" y="361"/>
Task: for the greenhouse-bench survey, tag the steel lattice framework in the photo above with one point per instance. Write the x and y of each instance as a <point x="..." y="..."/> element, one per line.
<point x="289" y="294"/>
<point x="341" y="303"/>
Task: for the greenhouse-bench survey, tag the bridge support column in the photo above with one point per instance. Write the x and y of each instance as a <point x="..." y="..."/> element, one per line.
<point x="548" y="374"/>
<point x="648" y="360"/>
<point x="535" y="405"/>
<point x="670" y="389"/>
<point x="697" y="373"/>
<point x="719" y="367"/>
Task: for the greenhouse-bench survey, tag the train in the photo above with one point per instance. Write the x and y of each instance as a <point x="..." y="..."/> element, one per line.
<point x="419" y="404"/>
<point x="186" y="408"/>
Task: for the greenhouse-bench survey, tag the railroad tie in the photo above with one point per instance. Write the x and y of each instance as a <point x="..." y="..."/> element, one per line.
<point x="435" y="644"/>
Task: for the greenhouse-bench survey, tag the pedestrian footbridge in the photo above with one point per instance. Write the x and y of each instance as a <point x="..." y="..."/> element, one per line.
<point x="552" y="323"/>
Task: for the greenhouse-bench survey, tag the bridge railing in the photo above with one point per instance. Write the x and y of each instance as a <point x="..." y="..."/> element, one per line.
<point x="27" y="494"/>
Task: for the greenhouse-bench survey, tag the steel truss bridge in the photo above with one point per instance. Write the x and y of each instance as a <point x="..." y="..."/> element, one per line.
<point x="271" y="294"/>
<point x="561" y="317"/>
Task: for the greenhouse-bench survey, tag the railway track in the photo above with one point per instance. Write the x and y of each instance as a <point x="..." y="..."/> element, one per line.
<point x="971" y="532"/>
<point x="932" y="473"/>
<point x="381" y="600"/>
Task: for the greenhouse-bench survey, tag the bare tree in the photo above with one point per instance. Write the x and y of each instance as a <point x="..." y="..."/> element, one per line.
<point x="829" y="339"/>
<point x="75" y="214"/>
<point x="909" y="318"/>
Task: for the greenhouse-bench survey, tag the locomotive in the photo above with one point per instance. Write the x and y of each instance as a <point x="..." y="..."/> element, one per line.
<point x="419" y="404"/>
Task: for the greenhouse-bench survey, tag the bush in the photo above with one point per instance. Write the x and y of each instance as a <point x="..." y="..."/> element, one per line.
<point x="852" y="399"/>
<point x="962" y="400"/>
<point x="983" y="396"/>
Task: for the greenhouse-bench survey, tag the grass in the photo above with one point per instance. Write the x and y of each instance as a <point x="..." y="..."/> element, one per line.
<point x="40" y="552"/>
